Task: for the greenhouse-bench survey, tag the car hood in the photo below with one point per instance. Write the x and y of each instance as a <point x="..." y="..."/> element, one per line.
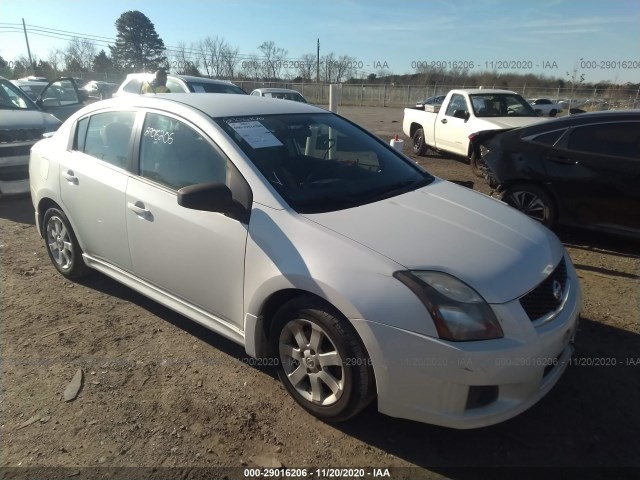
<point x="491" y="123"/>
<point x="21" y="119"/>
<point x="494" y="248"/>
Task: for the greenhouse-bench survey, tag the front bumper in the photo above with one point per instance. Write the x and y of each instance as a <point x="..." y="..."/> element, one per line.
<point x="470" y="384"/>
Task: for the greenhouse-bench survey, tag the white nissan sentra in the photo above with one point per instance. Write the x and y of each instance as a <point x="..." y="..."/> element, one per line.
<point x="309" y="241"/>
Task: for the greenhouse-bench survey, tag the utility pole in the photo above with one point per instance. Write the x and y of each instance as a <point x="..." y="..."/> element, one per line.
<point x="33" y="68"/>
<point x="318" y="64"/>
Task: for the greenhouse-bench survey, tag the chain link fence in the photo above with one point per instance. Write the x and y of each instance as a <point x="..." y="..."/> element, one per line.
<point x="377" y="95"/>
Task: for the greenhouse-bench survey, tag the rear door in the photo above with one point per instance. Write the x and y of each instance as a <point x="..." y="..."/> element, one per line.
<point x="595" y="170"/>
<point x="93" y="180"/>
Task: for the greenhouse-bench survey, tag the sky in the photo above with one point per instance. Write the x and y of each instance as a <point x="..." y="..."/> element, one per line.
<point x="597" y="38"/>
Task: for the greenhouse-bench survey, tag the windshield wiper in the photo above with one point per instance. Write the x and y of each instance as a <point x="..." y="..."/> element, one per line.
<point x="397" y="188"/>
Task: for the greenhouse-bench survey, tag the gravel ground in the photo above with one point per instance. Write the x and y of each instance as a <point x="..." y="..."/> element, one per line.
<point x="160" y="391"/>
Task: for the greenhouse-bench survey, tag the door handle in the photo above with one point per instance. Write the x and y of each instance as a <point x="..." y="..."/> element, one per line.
<point x="139" y="209"/>
<point x="444" y="120"/>
<point x="70" y="177"/>
<point x="561" y="160"/>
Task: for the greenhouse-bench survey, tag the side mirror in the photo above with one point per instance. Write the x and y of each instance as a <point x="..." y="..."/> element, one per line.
<point x="464" y="115"/>
<point x="212" y="197"/>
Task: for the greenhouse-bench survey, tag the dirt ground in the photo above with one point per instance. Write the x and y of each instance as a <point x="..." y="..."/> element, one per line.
<point x="160" y="391"/>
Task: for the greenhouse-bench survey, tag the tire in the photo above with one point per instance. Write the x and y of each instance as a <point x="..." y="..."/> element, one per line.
<point x="553" y="113"/>
<point x="418" y="144"/>
<point x="321" y="360"/>
<point x="62" y="245"/>
<point x="478" y="166"/>
<point x="533" y="201"/>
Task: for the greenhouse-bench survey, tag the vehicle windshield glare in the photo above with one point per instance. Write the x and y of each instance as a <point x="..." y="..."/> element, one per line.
<point x="501" y="105"/>
<point x="12" y="98"/>
<point x="321" y="162"/>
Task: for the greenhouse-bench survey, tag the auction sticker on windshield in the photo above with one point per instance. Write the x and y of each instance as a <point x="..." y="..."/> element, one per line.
<point x="255" y="134"/>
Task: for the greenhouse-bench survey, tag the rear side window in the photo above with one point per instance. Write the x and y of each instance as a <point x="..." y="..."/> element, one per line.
<point x="106" y="136"/>
<point x="175" y="86"/>
<point x="621" y="139"/>
<point x="548" y="138"/>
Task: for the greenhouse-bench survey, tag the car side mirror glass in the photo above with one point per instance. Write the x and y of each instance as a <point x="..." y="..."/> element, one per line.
<point x="461" y="114"/>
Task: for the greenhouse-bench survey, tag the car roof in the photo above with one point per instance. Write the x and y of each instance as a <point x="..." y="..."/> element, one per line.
<point x="576" y="120"/>
<point x="486" y="91"/>
<point x="185" y="78"/>
<point x="215" y="104"/>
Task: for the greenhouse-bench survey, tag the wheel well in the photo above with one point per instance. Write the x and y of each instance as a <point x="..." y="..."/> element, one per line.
<point x="278" y="299"/>
<point x="413" y="128"/>
<point x="44" y="205"/>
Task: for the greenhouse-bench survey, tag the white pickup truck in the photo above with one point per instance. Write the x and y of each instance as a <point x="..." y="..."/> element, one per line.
<point x="465" y="112"/>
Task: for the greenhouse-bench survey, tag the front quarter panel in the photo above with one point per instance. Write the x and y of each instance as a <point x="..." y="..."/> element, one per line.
<point x="286" y="251"/>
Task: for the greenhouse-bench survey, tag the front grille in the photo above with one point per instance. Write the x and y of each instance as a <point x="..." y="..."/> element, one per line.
<point x="20" y="134"/>
<point x="14" y="172"/>
<point x="542" y="301"/>
<point x="15" y="150"/>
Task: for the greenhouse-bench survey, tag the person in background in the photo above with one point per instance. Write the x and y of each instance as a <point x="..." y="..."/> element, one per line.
<point x="158" y="84"/>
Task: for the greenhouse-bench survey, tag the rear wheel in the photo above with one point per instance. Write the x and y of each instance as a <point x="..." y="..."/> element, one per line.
<point x="321" y="360"/>
<point x="533" y="201"/>
<point x="62" y="246"/>
<point x="418" y="144"/>
<point x="553" y="113"/>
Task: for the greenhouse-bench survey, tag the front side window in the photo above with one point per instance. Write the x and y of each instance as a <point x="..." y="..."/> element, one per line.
<point x="106" y="136"/>
<point x="176" y="155"/>
<point x="457" y="102"/>
<point x="621" y="139"/>
<point x="60" y="94"/>
<point x="12" y="98"/>
<point x="320" y="162"/>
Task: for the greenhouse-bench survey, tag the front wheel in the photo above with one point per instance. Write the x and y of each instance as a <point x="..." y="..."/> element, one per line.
<point x="533" y="201"/>
<point x="553" y="113"/>
<point x="418" y="143"/>
<point x="478" y="167"/>
<point x="62" y="246"/>
<point x="321" y="361"/>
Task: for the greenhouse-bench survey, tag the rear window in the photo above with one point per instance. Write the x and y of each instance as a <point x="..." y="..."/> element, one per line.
<point x="134" y="86"/>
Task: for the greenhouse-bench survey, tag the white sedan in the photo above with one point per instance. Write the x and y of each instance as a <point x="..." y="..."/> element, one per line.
<point x="544" y="106"/>
<point x="313" y="243"/>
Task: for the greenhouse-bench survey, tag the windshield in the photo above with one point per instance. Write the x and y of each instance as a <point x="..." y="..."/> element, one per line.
<point x="501" y="105"/>
<point x="321" y="162"/>
<point x="12" y="98"/>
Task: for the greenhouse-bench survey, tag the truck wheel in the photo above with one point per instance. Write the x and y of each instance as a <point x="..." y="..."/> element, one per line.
<point x="533" y="201"/>
<point x="417" y="142"/>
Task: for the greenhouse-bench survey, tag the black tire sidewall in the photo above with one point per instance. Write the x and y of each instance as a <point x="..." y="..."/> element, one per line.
<point x="418" y="145"/>
<point x="78" y="267"/>
<point x="356" y="395"/>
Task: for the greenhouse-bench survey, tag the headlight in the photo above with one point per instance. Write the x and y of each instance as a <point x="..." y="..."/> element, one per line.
<point x="459" y="312"/>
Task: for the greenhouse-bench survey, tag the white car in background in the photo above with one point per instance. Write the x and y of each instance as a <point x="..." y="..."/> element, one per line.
<point x="313" y="243"/>
<point x="544" y="106"/>
<point x="134" y="82"/>
<point x="282" y="93"/>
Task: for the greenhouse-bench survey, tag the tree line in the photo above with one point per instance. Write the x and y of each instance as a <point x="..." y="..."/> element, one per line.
<point x="138" y="48"/>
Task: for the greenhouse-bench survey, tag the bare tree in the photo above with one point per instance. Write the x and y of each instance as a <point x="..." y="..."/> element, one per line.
<point x="230" y="59"/>
<point x="79" y="55"/>
<point x="56" y="60"/>
<point x="307" y="66"/>
<point x="182" y="61"/>
<point x="273" y="59"/>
